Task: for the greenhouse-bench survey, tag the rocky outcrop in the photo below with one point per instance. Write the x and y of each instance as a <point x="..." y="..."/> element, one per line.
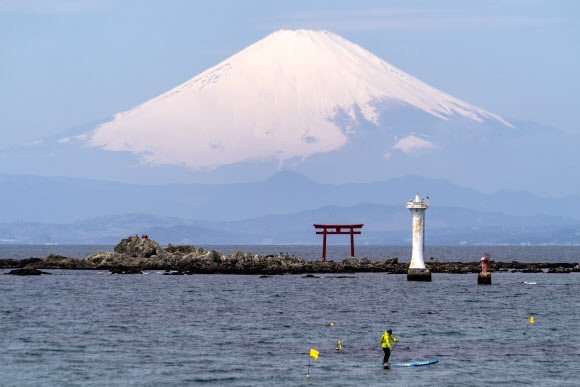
<point x="453" y="267"/>
<point x="9" y="263"/>
<point x="135" y="255"/>
<point x="559" y="269"/>
<point x="54" y="261"/>
<point x="26" y="272"/>
<point x="139" y="247"/>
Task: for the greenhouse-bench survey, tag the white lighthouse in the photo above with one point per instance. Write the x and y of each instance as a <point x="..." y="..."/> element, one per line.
<point x="417" y="270"/>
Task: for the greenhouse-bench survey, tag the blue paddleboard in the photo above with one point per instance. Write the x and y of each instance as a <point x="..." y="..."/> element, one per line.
<point x="413" y="364"/>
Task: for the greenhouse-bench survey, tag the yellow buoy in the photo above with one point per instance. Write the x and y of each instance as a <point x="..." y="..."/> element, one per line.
<point x="331" y="324"/>
<point x="338" y="345"/>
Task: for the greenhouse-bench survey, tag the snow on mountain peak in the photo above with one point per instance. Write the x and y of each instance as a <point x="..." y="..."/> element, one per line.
<point x="276" y="98"/>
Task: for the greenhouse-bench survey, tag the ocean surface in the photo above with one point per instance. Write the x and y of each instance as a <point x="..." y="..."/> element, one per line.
<point x="91" y="328"/>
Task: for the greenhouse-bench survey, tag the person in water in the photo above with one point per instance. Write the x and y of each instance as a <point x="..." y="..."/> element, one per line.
<point x="386" y="339"/>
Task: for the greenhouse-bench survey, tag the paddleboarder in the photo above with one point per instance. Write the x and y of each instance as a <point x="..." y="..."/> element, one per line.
<point x="386" y="339"/>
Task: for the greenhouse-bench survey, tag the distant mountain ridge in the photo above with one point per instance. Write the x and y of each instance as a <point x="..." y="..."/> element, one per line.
<point x="383" y="225"/>
<point x="61" y="199"/>
<point x="280" y="209"/>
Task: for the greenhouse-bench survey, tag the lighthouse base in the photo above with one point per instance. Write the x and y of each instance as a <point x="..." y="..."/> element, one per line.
<point x="419" y="275"/>
<point x="484" y="279"/>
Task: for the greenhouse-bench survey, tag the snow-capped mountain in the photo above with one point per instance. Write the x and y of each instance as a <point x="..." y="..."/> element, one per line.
<point x="313" y="103"/>
<point x="291" y="95"/>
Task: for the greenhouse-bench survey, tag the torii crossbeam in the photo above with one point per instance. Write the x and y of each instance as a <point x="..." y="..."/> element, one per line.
<point x="334" y="229"/>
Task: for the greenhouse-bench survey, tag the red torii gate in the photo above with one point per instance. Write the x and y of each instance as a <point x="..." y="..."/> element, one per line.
<point x="337" y="229"/>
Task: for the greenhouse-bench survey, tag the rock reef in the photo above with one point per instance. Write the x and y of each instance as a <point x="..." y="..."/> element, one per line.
<point x="134" y="255"/>
<point x="27" y="271"/>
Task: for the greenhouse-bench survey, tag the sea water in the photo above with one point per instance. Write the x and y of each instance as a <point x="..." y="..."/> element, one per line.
<point x="94" y="328"/>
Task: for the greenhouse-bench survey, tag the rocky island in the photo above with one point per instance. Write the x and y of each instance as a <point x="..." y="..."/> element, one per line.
<point x="134" y="255"/>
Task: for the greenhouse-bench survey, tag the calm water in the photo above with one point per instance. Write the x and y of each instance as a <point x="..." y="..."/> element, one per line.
<point x="93" y="328"/>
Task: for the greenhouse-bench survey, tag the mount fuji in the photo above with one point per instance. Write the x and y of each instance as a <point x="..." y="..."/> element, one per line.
<point x="307" y="101"/>
<point x="291" y="95"/>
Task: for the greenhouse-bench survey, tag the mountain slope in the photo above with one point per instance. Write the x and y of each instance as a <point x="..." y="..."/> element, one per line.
<point x="291" y="95"/>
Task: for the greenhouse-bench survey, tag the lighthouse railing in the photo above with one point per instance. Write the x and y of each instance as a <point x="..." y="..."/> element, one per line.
<point x="418" y="203"/>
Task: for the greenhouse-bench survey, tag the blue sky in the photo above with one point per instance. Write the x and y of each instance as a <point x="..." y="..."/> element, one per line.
<point x="65" y="63"/>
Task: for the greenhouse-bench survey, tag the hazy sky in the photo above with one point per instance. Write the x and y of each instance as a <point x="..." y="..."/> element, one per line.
<point x="65" y="63"/>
